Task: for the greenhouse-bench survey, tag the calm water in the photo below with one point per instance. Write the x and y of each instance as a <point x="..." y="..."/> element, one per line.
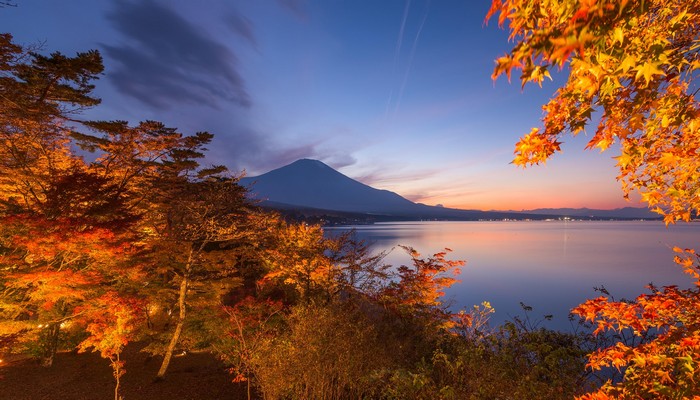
<point x="551" y="266"/>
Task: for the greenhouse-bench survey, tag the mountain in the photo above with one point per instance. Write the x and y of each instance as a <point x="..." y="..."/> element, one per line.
<point x="314" y="187"/>
<point x="310" y="188"/>
<point x="311" y="183"/>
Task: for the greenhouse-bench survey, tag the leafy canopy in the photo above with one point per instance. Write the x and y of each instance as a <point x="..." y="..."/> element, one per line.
<point x="631" y="62"/>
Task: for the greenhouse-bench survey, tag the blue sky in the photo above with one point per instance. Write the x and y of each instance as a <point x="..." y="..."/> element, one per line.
<point x="394" y="93"/>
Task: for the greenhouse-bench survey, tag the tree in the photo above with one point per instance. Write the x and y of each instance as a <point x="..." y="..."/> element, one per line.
<point x="359" y="270"/>
<point x="666" y="367"/>
<point x="633" y="64"/>
<point x="112" y="323"/>
<point x="61" y="236"/>
<point x="297" y="259"/>
<point x="201" y="231"/>
<point x="317" y="351"/>
<point x="417" y="290"/>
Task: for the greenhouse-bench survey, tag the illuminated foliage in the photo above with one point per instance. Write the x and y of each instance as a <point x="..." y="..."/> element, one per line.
<point x="297" y="259"/>
<point x="112" y="321"/>
<point x="252" y="326"/>
<point x="667" y="367"/>
<point x="199" y="233"/>
<point x="62" y="236"/>
<point x="318" y="351"/>
<point x="418" y="289"/>
<point x="633" y="64"/>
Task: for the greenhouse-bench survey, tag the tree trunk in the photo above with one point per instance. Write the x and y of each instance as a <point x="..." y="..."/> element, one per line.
<point x="50" y="344"/>
<point x="117" y="372"/>
<point x="178" y="328"/>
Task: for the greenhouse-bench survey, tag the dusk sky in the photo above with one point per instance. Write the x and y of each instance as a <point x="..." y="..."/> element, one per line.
<point x="394" y="93"/>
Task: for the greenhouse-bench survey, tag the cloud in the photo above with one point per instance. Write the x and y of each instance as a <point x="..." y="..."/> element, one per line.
<point x="382" y="177"/>
<point x="167" y="60"/>
<point x="190" y="78"/>
<point x="243" y="27"/>
<point x="297" y="7"/>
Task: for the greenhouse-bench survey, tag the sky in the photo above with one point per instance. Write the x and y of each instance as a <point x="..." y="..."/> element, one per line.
<point x="394" y="93"/>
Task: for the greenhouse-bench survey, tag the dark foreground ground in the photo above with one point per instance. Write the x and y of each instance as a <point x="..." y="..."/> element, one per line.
<point x="87" y="377"/>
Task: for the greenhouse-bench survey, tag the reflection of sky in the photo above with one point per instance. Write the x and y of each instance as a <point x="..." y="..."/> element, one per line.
<point x="552" y="266"/>
<point x="396" y="93"/>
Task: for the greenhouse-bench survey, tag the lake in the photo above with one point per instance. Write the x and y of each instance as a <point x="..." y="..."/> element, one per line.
<point x="549" y="265"/>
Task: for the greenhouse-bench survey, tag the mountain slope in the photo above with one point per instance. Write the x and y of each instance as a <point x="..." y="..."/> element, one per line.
<point x="311" y="183"/>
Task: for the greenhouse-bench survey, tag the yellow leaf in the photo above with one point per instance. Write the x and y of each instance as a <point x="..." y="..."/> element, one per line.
<point x="668" y="159"/>
<point x="648" y="70"/>
<point x="618" y="36"/>
<point x="623" y="160"/>
<point x="629" y="62"/>
<point x="665" y="121"/>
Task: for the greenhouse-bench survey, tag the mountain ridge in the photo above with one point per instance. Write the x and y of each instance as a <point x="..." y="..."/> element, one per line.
<point x="311" y="186"/>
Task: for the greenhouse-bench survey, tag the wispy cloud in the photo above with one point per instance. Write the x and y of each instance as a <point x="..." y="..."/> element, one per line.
<point x="297" y="7"/>
<point x="397" y="52"/>
<point x="380" y="178"/>
<point x="410" y="59"/>
<point x="242" y="26"/>
<point x="165" y="60"/>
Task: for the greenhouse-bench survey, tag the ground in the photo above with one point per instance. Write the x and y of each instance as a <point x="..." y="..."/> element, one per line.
<point x="75" y="376"/>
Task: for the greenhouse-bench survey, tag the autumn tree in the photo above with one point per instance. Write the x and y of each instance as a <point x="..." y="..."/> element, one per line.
<point x="360" y="270"/>
<point x="112" y="322"/>
<point x="297" y="259"/>
<point x="634" y="64"/>
<point x="60" y="231"/>
<point x="632" y="67"/>
<point x="418" y="289"/>
<point x="666" y="367"/>
<point x="201" y="231"/>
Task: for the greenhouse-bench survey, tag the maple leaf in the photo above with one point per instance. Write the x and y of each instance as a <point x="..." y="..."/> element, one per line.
<point x="648" y="70"/>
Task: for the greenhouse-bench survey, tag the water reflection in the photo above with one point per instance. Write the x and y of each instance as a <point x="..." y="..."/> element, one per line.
<point x="552" y="266"/>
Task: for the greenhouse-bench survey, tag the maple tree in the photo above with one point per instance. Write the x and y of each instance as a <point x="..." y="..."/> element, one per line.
<point x="200" y="232"/>
<point x="633" y="65"/>
<point x="62" y="231"/>
<point x="296" y="259"/>
<point x="112" y="320"/>
<point x="253" y="325"/>
<point x="668" y="366"/>
<point x="418" y="289"/>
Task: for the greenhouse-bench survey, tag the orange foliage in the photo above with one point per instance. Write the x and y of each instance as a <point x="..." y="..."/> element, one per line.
<point x="111" y="322"/>
<point x="297" y="259"/>
<point x="634" y="62"/>
<point x="669" y="365"/>
<point x="418" y="289"/>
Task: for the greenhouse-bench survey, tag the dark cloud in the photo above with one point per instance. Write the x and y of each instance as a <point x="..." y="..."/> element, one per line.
<point x="169" y="64"/>
<point x="257" y="155"/>
<point x="168" y="60"/>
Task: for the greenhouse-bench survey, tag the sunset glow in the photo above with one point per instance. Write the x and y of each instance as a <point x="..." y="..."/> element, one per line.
<point x="395" y="94"/>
